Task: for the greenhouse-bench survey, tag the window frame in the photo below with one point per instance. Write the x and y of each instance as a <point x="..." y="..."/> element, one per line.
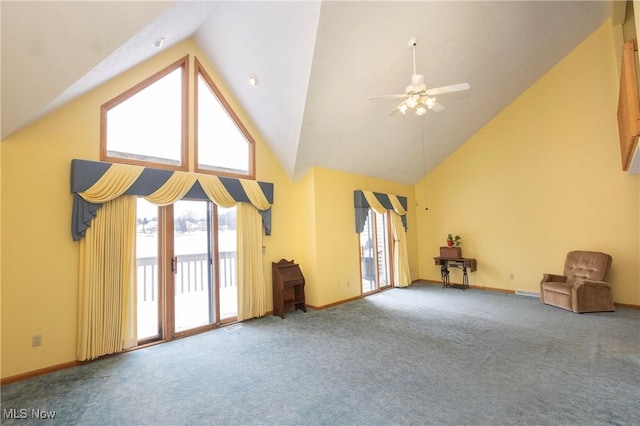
<point x="200" y="71"/>
<point x="104" y="109"/>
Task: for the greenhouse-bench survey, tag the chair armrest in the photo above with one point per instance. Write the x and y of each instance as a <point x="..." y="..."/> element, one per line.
<point x="591" y="283"/>
<point x="555" y="278"/>
<point x="550" y="278"/>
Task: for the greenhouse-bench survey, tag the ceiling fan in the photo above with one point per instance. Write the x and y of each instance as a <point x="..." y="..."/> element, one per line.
<point x="417" y="96"/>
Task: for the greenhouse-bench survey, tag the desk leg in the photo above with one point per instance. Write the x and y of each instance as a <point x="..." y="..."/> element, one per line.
<point x="444" y="274"/>
<point x="465" y="278"/>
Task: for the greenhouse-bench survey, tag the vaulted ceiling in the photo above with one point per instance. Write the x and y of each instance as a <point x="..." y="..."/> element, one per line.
<point x="318" y="63"/>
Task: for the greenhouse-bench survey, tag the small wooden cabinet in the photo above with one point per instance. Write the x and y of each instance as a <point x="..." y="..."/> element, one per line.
<point x="288" y="287"/>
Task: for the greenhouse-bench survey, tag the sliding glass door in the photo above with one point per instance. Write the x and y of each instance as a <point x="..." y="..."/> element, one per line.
<point x="186" y="268"/>
<point x="375" y="253"/>
<point x="149" y="297"/>
<point x="226" y="240"/>
<point x="191" y="265"/>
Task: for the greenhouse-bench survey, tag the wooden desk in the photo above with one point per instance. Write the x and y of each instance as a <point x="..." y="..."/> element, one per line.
<point x="288" y="287"/>
<point x="460" y="263"/>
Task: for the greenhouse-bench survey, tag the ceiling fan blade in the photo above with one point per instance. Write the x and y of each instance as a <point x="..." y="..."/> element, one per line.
<point x="448" y="89"/>
<point x="392" y="112"/>
<point x="377" y="98"/>
<point x="396" y="109"/>
<point x="437" y="107"/>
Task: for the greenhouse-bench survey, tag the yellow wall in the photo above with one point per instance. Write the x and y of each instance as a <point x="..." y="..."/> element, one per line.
<point x="305" y="207"/>
<point x="540" y="179"/>
<point x="333" y="273"/>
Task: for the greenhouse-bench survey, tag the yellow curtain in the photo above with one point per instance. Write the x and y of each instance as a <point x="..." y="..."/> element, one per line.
<point x="173" y="189"/>
<point x="401" y="271"/>
<point x="252" y="293"/>
<point x="255" y="194"/>
<point x="216" y="191"/>
<point x="107" y="281"/>
<point x="373" y="202"/>
<point x="397" y="207"/>
<point x="116" y="180"/>
<point x="107" y="275"/>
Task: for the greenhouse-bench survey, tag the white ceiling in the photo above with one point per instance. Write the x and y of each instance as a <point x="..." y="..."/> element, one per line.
<point x="318" y="64"/>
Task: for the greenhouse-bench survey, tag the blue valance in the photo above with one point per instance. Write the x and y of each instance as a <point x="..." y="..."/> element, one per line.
<point x="86" y="173"/>
<point x="362" y="207"/>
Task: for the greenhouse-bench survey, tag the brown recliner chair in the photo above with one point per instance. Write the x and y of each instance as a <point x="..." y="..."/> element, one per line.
<point x="582" y="287"/>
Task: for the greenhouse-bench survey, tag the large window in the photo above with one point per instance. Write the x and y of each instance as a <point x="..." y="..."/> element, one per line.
<point x="223" y="143"/>
<point x="146" y="124"/>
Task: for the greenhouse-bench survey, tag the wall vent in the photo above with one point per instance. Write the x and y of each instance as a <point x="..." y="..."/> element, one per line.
<point x="527" y="293"/>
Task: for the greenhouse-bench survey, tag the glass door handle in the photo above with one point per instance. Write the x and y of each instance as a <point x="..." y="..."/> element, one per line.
<point x="174" y="264"/>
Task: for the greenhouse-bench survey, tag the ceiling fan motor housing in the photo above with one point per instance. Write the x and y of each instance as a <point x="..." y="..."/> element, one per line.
<point x="417" y="84"/>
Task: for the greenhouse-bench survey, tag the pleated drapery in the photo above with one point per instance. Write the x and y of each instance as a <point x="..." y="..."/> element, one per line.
<point x="401" y="270"/>
<point x="252" y="293"/>
<point x="107" y="221"/>
<point x="255" y="194"/>
<point x="374" y="203"/>
<point x="379" y="202"/>
<point x="107" y="282"/>
<point x="397" y="206"/>
<point x="215" y="190"/>
<point x="365" y="200"/>
<point x="173" y="189"/>
<point x="120" y="177"/>
<point x="116" y="180"/>
<point x="94" y="183"/>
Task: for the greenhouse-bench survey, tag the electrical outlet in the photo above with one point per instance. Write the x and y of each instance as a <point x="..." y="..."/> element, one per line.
<point x="36" y="340"/>
<point x="511" y="276"/>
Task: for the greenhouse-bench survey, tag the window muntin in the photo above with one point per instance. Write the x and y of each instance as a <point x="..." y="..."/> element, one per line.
<point x="146" y="124"/>
<point x="223" y="145"/>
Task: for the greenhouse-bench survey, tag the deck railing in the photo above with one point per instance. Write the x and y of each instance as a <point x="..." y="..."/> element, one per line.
<point x="191" y="275"/>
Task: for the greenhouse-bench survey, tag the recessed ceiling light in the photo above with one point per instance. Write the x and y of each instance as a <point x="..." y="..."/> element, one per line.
<point x="158" y="43"/>
<point x="253" y="80"/>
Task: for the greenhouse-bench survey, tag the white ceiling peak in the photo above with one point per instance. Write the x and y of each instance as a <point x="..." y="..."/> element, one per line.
<point x="318" y="64"/>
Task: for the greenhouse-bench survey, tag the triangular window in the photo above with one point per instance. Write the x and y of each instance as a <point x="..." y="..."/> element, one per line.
<point x="223" y="145"/>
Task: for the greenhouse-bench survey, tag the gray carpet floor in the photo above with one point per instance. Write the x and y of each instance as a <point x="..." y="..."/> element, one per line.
<point x="419" y="355"/>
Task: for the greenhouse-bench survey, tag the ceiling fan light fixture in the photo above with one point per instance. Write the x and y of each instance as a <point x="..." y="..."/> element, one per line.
<point x="416" y="95"/>
<point x="412" y="102"/>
